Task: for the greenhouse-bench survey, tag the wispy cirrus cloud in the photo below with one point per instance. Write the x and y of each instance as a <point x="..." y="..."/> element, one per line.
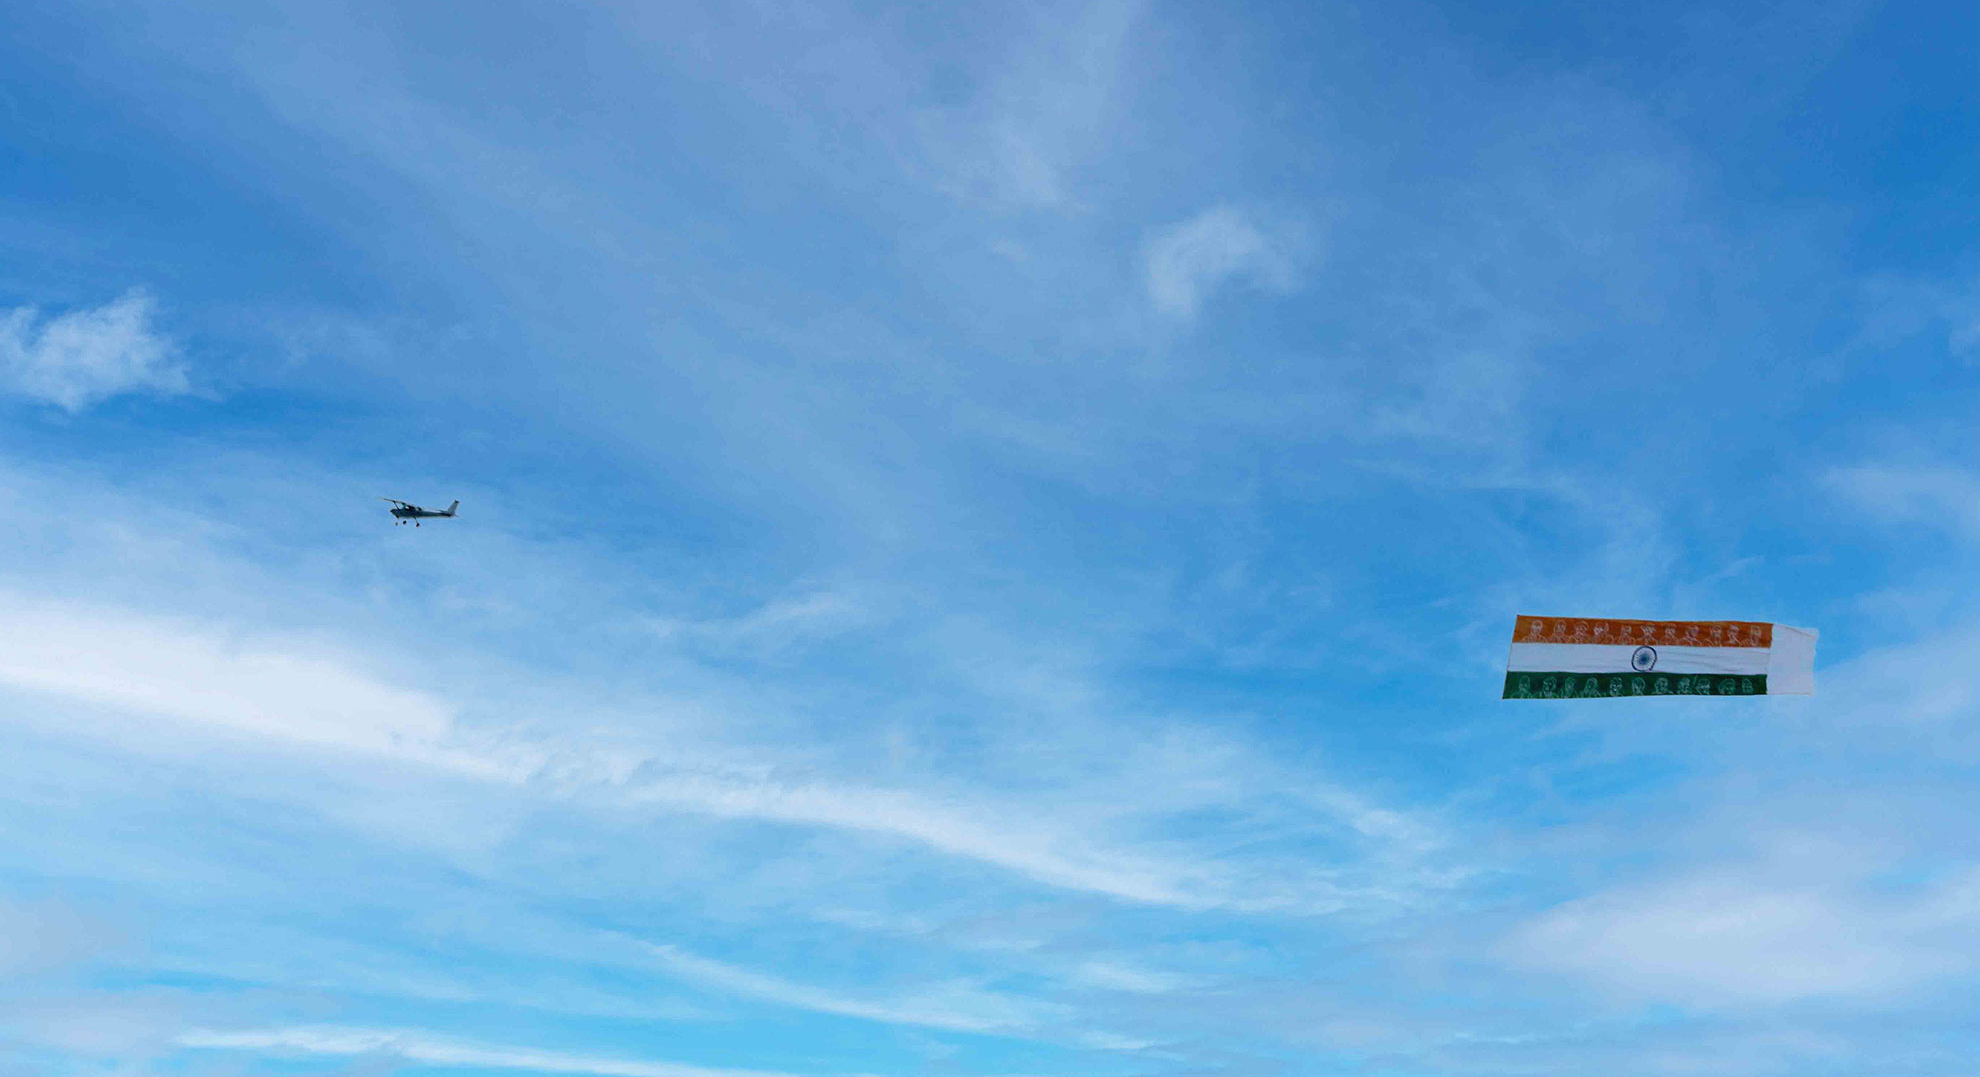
<point x="405" y="1045"/>
<point x="38" y="935"/>
<point x="956" y="1007"/>
<point x="1906" y="493"/>
<point x="1897" y="311"/>
<point x="1739" y="937"/>
<point x="1043" y="109"/>
<point x="202" y="674"/>
<point x="774" y="626"/>
<point x="83" y="357"/>
<point x="1186" y="262"/>
<point x="220" y="679"/>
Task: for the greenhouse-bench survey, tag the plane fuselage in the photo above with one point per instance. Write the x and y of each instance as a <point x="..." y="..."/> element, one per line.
<point x="403" y="511"/>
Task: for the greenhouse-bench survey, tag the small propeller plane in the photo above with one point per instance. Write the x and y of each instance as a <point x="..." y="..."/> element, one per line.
<point x="406" y="510"/>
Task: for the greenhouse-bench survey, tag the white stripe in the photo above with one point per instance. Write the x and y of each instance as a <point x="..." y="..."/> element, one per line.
<point x="1791" y="667"/>
<point x="1615" y="658"/>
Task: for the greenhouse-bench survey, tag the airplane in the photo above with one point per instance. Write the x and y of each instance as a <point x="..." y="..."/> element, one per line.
<point x="406" y="510"/>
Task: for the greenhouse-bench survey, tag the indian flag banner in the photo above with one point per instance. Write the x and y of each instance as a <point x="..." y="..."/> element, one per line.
<point x="1594" y="658"/>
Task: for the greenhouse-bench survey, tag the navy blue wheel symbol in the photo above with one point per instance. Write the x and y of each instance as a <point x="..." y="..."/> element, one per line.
<point x="1644" y="660"/>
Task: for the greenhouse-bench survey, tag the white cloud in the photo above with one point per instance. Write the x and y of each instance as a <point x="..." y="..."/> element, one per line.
<point x="1044" y="110"/>
<point x="1926" y="684"/>
<point x="772" y="627"/>
<point x="1896" y="311"/>
<point x="1082" y="844"/>
<point x="1045" y="855"/>
<point x="957" y="1007"/>
<point x="420" y="1047"/>
<point x="1899" y="494"/>
<point x="1963" y="332"/>
<point x="1188" y="261"/>
<point x="95" y="1023"/>
<point x="1739" y="938"/>
<point x="42" y="935"/>
<point x="195" y="673"/>
<point x="1468" y="398"/>
<point x="300" y="693"/>
<point x="1133" y="979"/>
<point x="84" y="357"/>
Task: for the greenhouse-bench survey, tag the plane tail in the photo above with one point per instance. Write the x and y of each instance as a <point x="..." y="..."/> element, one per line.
<point x="453" y="507"/>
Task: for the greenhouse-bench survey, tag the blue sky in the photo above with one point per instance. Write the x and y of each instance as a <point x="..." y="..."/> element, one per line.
<point x="989" y="535"/>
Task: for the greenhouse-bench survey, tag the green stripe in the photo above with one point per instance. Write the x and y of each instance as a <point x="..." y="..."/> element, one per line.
<point x="1527" y="685"/>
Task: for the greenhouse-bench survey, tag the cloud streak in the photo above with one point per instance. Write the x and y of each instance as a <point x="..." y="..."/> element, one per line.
<point x="956" y="1007"/>
<point x="207" y="676"/>
<point x="1186" y="263"/>
<point x="1046" y="108"/>
<point x="1734" y="938"/>
<point x="429" y="1050"/>
<point x="193" y="673"/>
<point x="84" y="357"/>
<point x="1899" y="494"/>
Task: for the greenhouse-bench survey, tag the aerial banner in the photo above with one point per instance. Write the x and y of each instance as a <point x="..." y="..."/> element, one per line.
<point x="1594" y="658"/>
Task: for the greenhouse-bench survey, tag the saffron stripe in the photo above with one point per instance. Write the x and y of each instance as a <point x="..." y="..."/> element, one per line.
<point x="1655" y="633"/>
